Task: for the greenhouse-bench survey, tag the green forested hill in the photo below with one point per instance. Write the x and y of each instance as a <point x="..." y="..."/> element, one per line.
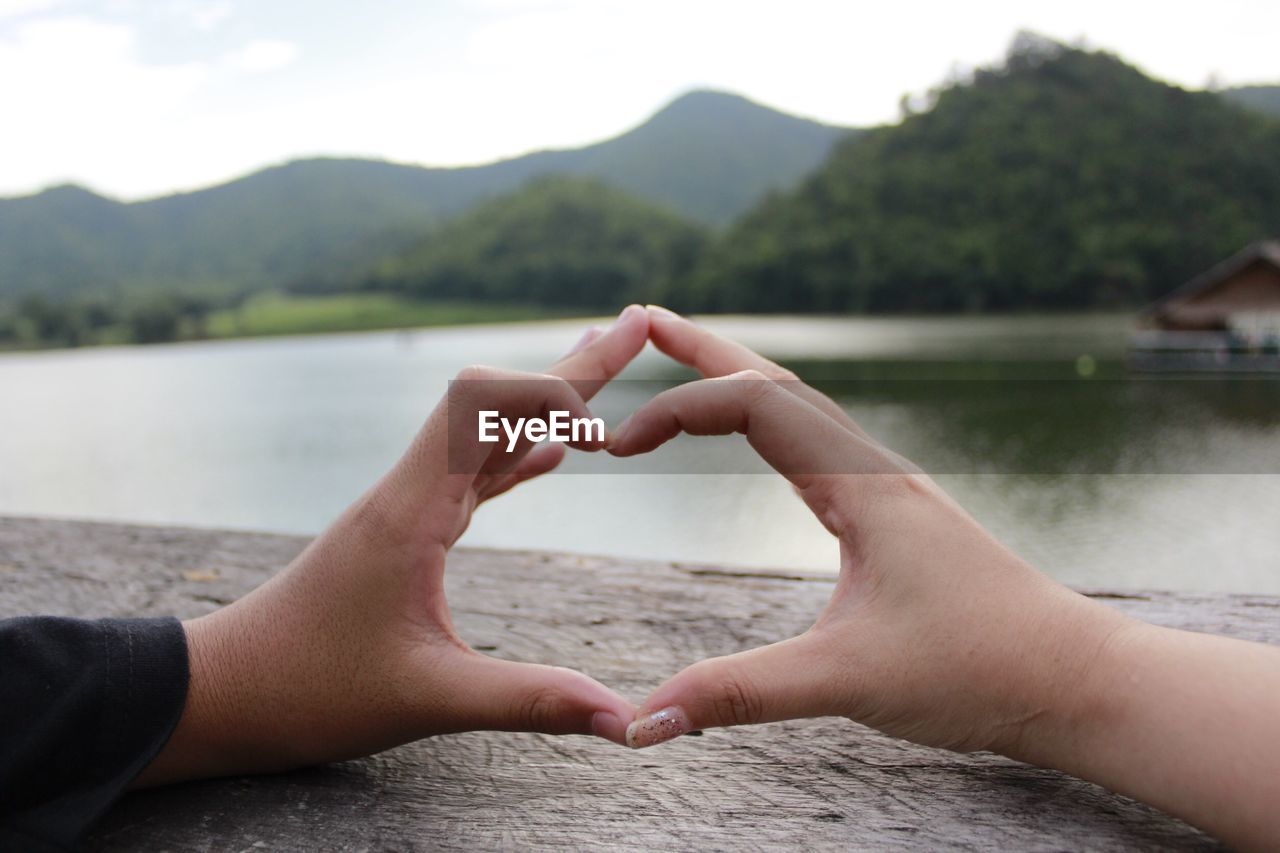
<point x="1061" y="179"/>
<point x="556" y="242"/>
<point x="707" y="155"/>
<point x="1064" y="178"/>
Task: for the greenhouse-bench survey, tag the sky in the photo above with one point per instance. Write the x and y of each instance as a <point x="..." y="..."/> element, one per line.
<point x="136" y="98"/>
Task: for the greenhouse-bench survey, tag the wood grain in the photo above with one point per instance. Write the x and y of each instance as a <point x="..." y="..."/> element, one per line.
<point x="816" y="784"/>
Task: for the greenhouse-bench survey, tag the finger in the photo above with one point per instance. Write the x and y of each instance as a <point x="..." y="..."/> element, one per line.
<point x="703" y="350"/>
<point x="587" y="337"/>
<point x="795" y="438"/>
<point x="588" y="366"/>
<point x="537" y="463"/>
<point x="520" y="697"/>
<point x="712" y="356"/>
<point x="512" y="395"/>
<point x="789" y="680"/>
<point x="448" y="445"/>
<point x="448" y="460"/>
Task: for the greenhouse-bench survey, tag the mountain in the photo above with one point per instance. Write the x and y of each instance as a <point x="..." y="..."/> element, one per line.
<point x="1063" y="178"/>
<point x="558" y="241"/>
<point x="707" y="155"/>
<point x="1265" y="99"/>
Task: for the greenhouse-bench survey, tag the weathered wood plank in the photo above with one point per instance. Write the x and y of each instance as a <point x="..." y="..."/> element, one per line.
<point x="818" y="783"/>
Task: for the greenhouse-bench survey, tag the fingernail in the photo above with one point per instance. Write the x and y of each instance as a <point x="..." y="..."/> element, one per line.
<point x="587" y="337"/>
<point x="658" y="727"/>
<point x="627" y="313"/>
<point x="666" y="312"/>
<point x="608" y="726"/>
<point x="612" y="436"/>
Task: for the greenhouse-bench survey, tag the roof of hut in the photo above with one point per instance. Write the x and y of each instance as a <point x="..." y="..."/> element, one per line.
<point x="1200" y="288"/>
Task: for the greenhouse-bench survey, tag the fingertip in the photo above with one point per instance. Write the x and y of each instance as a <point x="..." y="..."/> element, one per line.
<point x="587" y="337"/>
<point x="613" y="438"/>
<point x="634" y="319"/>
<point x="630" y="313"/>
<point x="609" y="713"/>
<point x="609" y="726"/>
<point x="592" y="445"/>
<point x="658" y="727"/>
<point x="544" y="459"/>
<point x="669" y="332"/>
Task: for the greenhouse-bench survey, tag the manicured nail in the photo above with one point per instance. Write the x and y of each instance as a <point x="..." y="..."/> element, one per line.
<point x="658" y="727"/>
<point x="608" y="726"/>
<point x="587" y="337"/>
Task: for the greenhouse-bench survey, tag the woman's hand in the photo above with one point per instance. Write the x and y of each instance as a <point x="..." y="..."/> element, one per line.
<point x="935" y="631"/>
<point x="938" y="634"/>
<point x="351" y="650"/>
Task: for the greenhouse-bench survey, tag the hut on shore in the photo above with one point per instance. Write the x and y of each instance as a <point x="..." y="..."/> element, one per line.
<point x="1240" y="294"/>
<point x="1225" y="319"/>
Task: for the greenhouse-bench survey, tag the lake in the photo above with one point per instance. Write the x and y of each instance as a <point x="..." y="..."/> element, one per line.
<point x="1097" y="478"/>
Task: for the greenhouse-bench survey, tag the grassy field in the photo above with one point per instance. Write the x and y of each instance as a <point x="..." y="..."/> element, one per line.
<point x="278" y="314"/>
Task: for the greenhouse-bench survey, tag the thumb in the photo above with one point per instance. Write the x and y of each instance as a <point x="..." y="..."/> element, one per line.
<point x="783" y="681"/>
<point x="523" y="697"/>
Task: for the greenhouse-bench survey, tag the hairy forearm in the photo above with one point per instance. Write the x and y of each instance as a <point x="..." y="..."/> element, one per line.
<point x="1183" y="721"/>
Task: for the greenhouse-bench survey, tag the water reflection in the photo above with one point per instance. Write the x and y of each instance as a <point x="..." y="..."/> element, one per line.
<point x="281" y="435"/>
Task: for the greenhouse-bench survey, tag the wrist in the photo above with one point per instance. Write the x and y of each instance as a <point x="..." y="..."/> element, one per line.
<point x="222" y="730"/>
<point x="1075" y="686"/>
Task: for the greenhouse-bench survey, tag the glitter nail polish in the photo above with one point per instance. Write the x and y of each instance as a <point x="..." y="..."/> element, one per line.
<point x="657" y="727"/>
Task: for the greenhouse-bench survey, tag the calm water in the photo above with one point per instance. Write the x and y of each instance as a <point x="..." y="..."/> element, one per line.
<point x="282" y="434"/>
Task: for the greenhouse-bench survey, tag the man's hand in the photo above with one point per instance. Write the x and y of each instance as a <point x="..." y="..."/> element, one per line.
<point x="351" y="649"/>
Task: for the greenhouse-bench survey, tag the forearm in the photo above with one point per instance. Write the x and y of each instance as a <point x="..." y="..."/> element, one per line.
<point x="277" y="684"/>
<point x="1183" y="721"/>
<point x="222" y="730"/>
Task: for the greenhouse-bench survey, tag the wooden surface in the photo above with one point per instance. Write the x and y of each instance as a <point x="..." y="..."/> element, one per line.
<point x="816" y="784"/>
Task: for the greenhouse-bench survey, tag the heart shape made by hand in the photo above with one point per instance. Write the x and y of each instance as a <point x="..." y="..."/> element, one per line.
<point x="351" y="649"/>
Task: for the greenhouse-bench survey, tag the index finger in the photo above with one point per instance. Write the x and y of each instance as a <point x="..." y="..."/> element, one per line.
<point x="797" y="440"/>
<point x="713" y="356"/>
<point x="588" y="369"/>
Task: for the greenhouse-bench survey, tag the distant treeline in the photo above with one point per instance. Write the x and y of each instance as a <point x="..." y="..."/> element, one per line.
<point x="145" y="319"/>
<point x="1061" y="179"/>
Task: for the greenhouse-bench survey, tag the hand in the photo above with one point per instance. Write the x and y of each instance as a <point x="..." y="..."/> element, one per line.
<point x="351" y="649"/>
<point x="935" y="632"/>
<point x="938" y="634"/>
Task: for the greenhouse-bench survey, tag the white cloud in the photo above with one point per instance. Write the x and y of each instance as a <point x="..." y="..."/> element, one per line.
<point x="14" y="8"/>
<point x="86" y="104"/>
<point x="200" y="15"/>
<point x="458" y="81"/>
<point x="206" y="16"/>
<point x="263" y="55"/>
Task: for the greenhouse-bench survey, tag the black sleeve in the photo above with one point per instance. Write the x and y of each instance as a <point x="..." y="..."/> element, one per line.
<point x="84" y="707"/>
